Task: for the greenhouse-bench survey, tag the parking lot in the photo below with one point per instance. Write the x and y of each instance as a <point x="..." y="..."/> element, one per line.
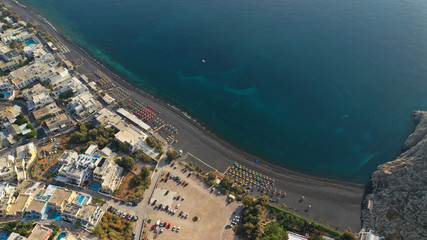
<point x="195" y="200"/>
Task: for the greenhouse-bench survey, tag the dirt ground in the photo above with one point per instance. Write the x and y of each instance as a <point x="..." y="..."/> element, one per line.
<point x="213" y="211"/>
<point x="124" y="189"/>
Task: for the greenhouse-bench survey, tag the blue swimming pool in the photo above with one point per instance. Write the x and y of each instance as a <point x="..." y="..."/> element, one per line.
<point x="55" y="216"/>
<point x="30" y="42"/>
<point x="61" y="236"/>
<point x="95" y="186"/>
<point x="81" y="198"/>
<point x="7" y="94"/>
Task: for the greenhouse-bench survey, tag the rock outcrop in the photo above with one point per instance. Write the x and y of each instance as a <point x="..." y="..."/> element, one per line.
<point x="397" y="206"/>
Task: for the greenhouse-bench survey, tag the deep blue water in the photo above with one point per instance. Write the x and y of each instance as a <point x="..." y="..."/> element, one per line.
<point x="322" y="87"/>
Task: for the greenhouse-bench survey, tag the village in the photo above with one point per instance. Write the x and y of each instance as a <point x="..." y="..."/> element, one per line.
<point x="81" y="159"/>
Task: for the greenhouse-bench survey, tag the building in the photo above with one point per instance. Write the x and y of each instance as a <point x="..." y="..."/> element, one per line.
<point x="83" y="104"/>
<point x="67" y="84"/>
<point x="108" y="175"/>
<point x="18" y="206"/>
<point x="40" y="232"/>
<point x="5" y="85"/>
<point x="26" y="154"/>
<point x="24" y="76"/>
<point x="8" y="170"/>
<point x="8" y="66"/>
<point x="58" y="123"/>
<point x="36" y="210"/>
<point x="132" y="137"/>
<point x="8" y="115"/>
<point x="91" y="150"/>
<point x="68" y="157"/>
<point x="109" y="119"/>
<point x="87" y="215"/>
<point x="369" y="235"/>
<point x="60" y="198"/>
<point x="37" y="97"/>
<point x="47" y="111"/>
<point x="136" y="121"/>
<point x="77" y="172"/>
<point x="16" y="236"/>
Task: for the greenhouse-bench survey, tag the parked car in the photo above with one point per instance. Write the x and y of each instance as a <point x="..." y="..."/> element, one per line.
<point x="154" y="202"/>
<point x="169" y="226"/>
<point x="179" y="228"/>
<point x="154" y="226"/>
<point x="173" y="229"/>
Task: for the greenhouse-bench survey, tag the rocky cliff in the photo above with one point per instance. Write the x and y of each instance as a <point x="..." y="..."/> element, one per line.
<point x="397" y="206"/>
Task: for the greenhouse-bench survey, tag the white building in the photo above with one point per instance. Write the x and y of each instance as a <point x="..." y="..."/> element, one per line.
<point x="132" y="137"/>
<point x="5" y="85"/>
<point x="83" y="104"/>
<point x="78" y="171"/>
<point x="37" y="97"/>
<point x="108" y="175"/>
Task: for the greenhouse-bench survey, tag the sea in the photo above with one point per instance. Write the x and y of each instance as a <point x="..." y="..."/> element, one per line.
<point x="326" y="88"/>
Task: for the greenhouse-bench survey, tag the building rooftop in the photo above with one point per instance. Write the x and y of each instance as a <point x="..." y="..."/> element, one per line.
<point x="19" y="204"/>
<point x="133" y="119"/>
<point x="40" y="232"/>
<point x="60" y="196"/>
<point x="36" y="205"/>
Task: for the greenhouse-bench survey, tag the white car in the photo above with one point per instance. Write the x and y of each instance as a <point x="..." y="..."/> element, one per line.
<point x="161" y="230"/>
<point x="177" y="206"/>
<point x="177" y="230"/>
<point x="173" y="229"/>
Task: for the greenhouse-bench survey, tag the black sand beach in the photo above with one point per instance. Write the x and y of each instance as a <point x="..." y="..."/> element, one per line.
<point x="334" y="202"/>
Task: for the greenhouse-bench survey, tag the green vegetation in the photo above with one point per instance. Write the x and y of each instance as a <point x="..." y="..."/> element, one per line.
<point x="140" y="155"/>
<point x="152" y="142"/>
<point x="113" y="227"/>
<point x="227" y="186"/>
<point x="55" y="232"/>
<point x="274" y="231"/>
<point x="210" y="180"/>
<point x="78" y="224"/>
<point x="48" y="84"/>
<point x="87" y="134"/>
<point x="140" y="183"/>
<point x="253" y="212"/>
<point x="16" y="44"/>
<point x="67" y="94"/>
<point x="172" y="154"/>
<point x="21" y="119"/>
<point x="126" y="162"/>
<point x="98" y="200"/>
<point x="298" y="224"/>
<point x="23" y="229"/>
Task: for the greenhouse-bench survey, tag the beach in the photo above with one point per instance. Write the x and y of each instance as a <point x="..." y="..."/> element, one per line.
<point x="334" y="202"/>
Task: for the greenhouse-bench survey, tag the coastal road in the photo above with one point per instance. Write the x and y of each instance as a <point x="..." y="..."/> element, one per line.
<point x="335" y="202"/>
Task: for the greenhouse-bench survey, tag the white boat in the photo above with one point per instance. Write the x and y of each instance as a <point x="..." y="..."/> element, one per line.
<point x="203" y="60"/>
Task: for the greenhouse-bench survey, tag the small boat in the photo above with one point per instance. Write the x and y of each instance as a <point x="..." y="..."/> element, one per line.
<point x="203" y="61"/>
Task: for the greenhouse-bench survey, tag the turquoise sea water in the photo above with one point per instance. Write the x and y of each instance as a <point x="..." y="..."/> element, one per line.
<point x="322" y="87"/>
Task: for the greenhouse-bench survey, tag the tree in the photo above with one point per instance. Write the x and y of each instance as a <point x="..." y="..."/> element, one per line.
<point x="248" y="201"/>
<point x="172" y="154"/>
<point x="273" y="230"/>
<point x="78" y="224"/>
<point x="347" y="235"/>
<point x="126" y="162"/>
<point x="262" y="200"/>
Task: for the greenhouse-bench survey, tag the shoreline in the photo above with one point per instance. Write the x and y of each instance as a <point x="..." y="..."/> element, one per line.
<point x="340" y="201"/>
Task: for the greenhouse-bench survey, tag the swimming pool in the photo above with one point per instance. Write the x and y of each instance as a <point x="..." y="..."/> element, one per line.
<point x="7" y="94"/>
<point x="95" y="186"/>
<point x="55" y="216"/>
<point x="81" y="198"/>
<point x="61" y="236"/>
<point x="30" y="42"/>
